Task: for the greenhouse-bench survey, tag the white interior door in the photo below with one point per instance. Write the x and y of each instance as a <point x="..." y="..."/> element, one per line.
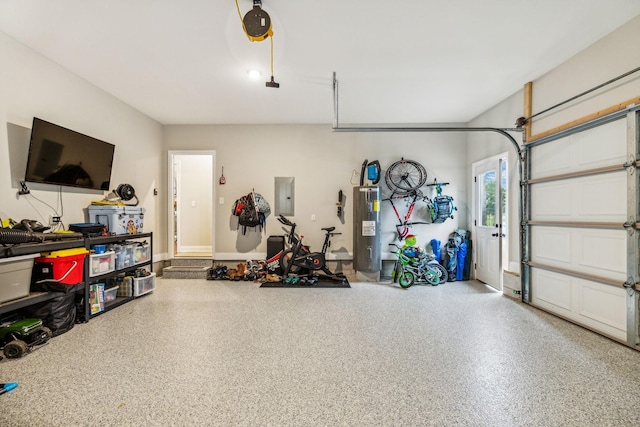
<point x="489" y="199"/>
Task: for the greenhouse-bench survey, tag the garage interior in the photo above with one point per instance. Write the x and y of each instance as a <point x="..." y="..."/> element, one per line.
<point x="545" y="332"/>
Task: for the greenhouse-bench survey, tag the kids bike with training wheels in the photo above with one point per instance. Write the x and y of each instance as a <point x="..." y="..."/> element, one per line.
<point x="414" y="266"/>
<point x="299" y="260"/>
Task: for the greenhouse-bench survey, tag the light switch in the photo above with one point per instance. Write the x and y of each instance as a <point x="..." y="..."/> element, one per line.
<point x="221" y="200"/>
<point x="193" y="203"/>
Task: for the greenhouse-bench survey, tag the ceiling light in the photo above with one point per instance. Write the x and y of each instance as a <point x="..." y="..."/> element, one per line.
<point x="254" y="74"/>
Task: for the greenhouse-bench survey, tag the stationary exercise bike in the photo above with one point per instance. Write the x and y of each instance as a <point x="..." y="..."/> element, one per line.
<point x="299" y="259"/>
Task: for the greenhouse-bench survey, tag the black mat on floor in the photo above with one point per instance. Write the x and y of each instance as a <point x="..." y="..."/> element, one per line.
<point x="321" y="283"/>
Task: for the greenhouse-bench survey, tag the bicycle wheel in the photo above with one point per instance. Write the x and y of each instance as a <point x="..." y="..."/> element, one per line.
<point x="406" y="279"/>
<point x="287" y="258"/>
<point x="442" y="273"/>
<point x="405" y="176"/>
<point x="432" y="277"/>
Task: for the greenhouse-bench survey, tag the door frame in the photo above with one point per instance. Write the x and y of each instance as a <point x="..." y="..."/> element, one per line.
<point x="170" y="188"/>
<point x="502" y="229"/>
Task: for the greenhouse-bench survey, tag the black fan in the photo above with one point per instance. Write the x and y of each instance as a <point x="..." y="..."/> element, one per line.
<point x="126" y="192"/>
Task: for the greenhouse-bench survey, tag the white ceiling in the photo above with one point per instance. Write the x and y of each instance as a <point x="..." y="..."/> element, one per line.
<point x="411" y="61"/>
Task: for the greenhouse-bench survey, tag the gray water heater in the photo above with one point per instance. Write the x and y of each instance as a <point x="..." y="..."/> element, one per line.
<point x="367" y="255"/>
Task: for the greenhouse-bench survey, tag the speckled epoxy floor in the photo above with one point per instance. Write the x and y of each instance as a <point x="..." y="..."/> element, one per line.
<point x="214" y="353"/>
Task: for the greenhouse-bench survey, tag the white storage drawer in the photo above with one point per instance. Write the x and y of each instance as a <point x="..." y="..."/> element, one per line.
<point x="102" y="263"/>
<point x="144" y="285"/>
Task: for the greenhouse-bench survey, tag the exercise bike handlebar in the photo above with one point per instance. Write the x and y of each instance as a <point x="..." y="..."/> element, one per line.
<point x="284" y="220"/>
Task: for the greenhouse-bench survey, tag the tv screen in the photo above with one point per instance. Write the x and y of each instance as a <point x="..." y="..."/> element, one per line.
<point x="61" y="156"/>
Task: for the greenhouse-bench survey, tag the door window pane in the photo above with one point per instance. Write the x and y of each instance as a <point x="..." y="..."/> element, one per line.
<point x="488" y="199"/>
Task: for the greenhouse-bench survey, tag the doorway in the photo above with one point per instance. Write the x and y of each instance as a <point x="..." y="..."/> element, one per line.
<point x="191" y="196"/>
<point x="490" y="219"/>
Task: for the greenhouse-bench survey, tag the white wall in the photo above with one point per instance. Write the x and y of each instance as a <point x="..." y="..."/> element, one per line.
<point x="31" y="85"/>
<point x="322" y="163"/>
<point x="613" y="55"/>
<point x="610" y="57"/>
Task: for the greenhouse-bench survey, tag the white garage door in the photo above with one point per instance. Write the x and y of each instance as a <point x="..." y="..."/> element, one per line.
<point x="581" y="242"/>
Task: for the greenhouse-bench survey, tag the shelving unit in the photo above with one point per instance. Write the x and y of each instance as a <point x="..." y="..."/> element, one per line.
<point x="34" y="248"/>
<point x="84" y="288"/>
<point x="86" y="314"/>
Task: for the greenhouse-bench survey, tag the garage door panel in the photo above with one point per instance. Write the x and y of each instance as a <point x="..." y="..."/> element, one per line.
<point x="592" y="198"/>
<point x="551" y="201"/>
<point x="598" y="147"/>
<point x="550" y="161"/>
<point x="601" y="146"/>
<point x="551" y="290"/>
<point x="595" y="252"/>
<point x="602" y="304"/>
<point x="551" y="246"/>
<point x="603" y="197"/>
<point x="604" y="249"/>
<point x="595" y="305"/>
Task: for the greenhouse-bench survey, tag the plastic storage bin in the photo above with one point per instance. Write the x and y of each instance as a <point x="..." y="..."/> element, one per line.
<point x="65" y="266"/>
<point x="128" y="254"/>
<point x="15" y="277"/>
<point x="118" y="219"/>
<point x="140" y="253"/>
<point x="102" y="263"/>
<point x="110" y="294"/>
<point x="144" y="285"/>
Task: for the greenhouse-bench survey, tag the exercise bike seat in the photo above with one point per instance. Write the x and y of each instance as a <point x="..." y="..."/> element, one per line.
<point x="329" y="229"/>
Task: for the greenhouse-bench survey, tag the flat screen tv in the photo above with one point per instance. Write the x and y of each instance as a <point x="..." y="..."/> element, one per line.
<point x="61" y="156"/>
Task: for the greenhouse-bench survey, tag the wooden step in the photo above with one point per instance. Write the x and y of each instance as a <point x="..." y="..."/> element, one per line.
<point x="185" y="272"/>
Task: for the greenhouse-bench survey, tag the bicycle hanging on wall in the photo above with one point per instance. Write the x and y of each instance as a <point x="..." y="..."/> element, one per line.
<point x="404" y="178"/>
<point x="404" y="224"/>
